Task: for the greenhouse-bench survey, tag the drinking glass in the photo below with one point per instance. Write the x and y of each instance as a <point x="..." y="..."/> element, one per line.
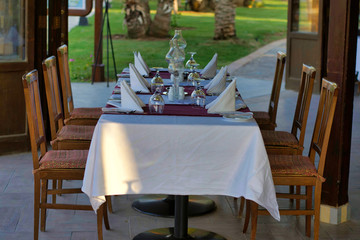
<point x="193" y="75"/>
<point x="198" y="96"/>
<point x="157" y="83"/>
<point x="191" y="61"/>
<point x="156" y="103"/>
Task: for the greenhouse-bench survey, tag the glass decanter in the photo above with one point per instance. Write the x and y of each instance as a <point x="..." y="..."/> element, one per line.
<point x="157" y="83"/>
<point x="181" y="41"/>
<point x="156" y="102"/>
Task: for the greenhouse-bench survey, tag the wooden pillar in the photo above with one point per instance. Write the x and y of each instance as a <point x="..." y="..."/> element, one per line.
<point x="64" y="22"/>
<point x="54" y="26"/>
<point x="98" y="67"/>
<point x="341" y="59"/>
<point x="40" y="54"/>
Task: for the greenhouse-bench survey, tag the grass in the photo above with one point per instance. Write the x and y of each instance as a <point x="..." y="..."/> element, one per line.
<point x="255" y="27"/>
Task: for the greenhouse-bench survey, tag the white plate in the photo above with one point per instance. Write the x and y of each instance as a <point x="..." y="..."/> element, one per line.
<point x="238" y="116"/>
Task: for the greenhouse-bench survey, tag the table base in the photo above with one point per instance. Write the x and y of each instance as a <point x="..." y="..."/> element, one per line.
<point x="168" y="234"/>
<point x="164" y="205"/>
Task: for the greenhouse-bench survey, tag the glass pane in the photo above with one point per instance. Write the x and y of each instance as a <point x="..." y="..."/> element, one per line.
<point x="12" y="30"/>
<point x="305" y="15"/>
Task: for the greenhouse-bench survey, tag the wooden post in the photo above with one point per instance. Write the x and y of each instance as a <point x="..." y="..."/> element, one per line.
<point x="64" y="22"/>
<point x="341" y="52"/>
<point x="98" y="67"/>
<point x="54" y="26"/>
<point x="41" y="32"/>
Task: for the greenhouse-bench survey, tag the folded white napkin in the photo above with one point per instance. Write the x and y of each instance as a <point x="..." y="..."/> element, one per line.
<point x="138" y="83"/>
<point x="225" y="102"/>
<point x="129" y="100"/>
<point x="210" y="70"/>
<point x="218" y="84"/>
<point x="140" y="66"/>
<point x="144" y="63"/>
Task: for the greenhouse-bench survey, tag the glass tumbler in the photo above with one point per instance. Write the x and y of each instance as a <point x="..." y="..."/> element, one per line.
<point x="156" y="102"/>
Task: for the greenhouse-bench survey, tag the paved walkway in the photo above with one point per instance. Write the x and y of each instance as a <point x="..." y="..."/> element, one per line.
<point x="256" y="72"/>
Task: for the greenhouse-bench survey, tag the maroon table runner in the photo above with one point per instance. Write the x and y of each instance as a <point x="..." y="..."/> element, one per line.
<point x="179" y="110"/>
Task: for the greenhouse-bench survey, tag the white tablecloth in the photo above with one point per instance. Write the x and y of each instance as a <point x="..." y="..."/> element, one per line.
<point x="179" y="155"/>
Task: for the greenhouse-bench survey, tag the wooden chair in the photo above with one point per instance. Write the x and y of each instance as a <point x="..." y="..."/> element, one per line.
<point x="65" y="137"/>
<point x="52" y="165"/>
<point x="267" y="120"/>
<point x="73" y="116"/>
<point x="302" y="170"/>
<point x="280" y="142"/>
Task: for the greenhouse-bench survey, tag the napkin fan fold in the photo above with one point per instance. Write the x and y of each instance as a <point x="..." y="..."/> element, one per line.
<point x="210" y="69"/>
<point x="218" y="84"/>
<point x="138" y="83"/>
<point x="225" y="102"/>
<point x="140" y="64"/>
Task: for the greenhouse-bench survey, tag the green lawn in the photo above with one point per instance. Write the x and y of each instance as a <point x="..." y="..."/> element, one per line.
<point x="255" y="27"/>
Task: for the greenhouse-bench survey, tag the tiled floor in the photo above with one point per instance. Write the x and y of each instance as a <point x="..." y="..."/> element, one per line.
<point x="16" y="187"/>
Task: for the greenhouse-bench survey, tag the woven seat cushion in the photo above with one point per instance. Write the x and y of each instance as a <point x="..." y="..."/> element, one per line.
<point x="291" y="165"/>
<point x="75" y="132"/>
<point x="91" y="113"/>
<point x="262" y="117"/>
<point x="279" y="138"/>
<point x="64" y="159"/>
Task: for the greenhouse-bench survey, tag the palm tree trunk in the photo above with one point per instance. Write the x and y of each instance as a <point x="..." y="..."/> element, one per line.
<point x="224" y="19"/>
<point x="161" y="24"/>
<point x="137" y="18"/>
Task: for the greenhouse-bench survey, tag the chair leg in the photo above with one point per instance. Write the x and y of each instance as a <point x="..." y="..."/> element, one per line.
<point x="247" y="216"/>
<point x="241" y="209"/>
<point x="317" y="200"/>
<point x="106" y="218"/>
<point x="60" y="183"/>
<point x="109" y="204"/>
<point x="308" y="206"/>
<point x="254" y="216"/>
<point x="99" y="215"/>
<point x="54" y="186"/>
<point x="36" y="205"/>
<point x="291" y="191"/>
<point x="44" y="186"/>
<point x="298" y="191"/>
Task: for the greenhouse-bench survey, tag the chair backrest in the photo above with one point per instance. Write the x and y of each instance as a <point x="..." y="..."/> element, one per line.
<point x="68" y="101"/>
<point x="323" y="123"/>
<point x="53" y="95"/>
<point x="303" y="103"/>
<point x="275" y="92"/>
<point x="34" y="116"/>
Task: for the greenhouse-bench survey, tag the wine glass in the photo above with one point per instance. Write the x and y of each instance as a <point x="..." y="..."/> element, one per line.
<point x="191" y="61"/>
<point x="198" y="96"/>
<point x="157" y="83"/>
<point x="156" y="102"/>
<point x="193" y="76"/>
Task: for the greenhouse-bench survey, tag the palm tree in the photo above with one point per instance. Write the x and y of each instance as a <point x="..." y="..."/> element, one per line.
<point x="137" y="18"/>
<point x="161" y="25"/>
<point x="225" y="19"/>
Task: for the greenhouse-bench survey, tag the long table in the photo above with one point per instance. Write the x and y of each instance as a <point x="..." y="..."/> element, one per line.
<point x="178" y="155"/>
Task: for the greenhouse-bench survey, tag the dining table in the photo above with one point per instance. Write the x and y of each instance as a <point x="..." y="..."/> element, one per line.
<point x="182" y="151"/>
